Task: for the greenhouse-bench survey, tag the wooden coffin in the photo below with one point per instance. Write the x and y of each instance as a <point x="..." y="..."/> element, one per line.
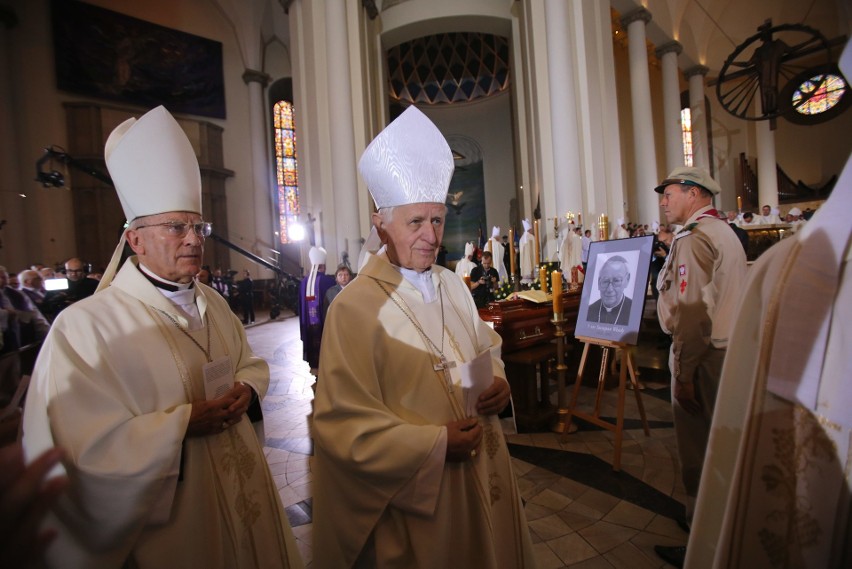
<point x="524" y="324"/>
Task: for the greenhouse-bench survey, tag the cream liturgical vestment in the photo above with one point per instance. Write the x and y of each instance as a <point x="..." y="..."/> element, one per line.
<point x="383" y="494"/>
<point x="775" y="490"/>
<point x="526" y="245"/>
<point x="112" y="386"/>
<point x="570" y="252"/>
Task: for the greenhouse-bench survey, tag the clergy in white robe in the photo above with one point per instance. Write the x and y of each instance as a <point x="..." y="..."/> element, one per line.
<point x="526" y="247"/>
<point x="113" y="386"/>
<point x="381" y="480"/>
<point x="570" y="252"/>
<point x="411" y="467"/>
<point x="767" y="216"/>
<point x="162" y="471"/>
<point x="495" y="245"/>
<point x="777" y="481"/>
<point x="620" y="230"/>
<point x="465" y="265"/>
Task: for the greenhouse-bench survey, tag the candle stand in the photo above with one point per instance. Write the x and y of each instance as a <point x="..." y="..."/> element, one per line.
<point x="561" y="420"/>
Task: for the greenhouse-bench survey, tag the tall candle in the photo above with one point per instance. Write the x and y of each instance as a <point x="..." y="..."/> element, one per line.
<point x="537" y="243"/>
<point x="739" y="203"/>
<point x="603" y="228"/>
<point x="556" y="283"/>
<point x="512" y="251"/>
<point x="542" y="277"/>
<point x="466" y="279"/>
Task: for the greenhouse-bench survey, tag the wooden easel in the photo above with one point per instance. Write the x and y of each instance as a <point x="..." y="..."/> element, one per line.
<point x="594" y="418"/>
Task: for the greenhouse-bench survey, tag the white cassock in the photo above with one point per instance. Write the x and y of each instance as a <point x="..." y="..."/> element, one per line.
<point x="526" y="248"/>
<point x="112" y="386"/>
<point x="770" y="219"/>
<point x="619" y="233"/>
<point x="382" y="488"/>
<point x="464" y="266"/>
<point x="497" y="249"/>
<point x="775" y="489"/>
<point x="570" y="253"/>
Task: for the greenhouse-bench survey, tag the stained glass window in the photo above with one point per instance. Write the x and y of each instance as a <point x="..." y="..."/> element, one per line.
<point x="287" y="176"/>
<point x="686" y="130"/>
<point x="818" y="95"/>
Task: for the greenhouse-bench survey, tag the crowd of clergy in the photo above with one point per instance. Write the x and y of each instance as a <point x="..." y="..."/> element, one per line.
<point x="140" y="448"/>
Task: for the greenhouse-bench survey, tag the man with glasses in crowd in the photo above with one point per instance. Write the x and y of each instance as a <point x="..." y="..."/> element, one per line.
<point x="146" y="384"/>
<point x="79" y="285"/>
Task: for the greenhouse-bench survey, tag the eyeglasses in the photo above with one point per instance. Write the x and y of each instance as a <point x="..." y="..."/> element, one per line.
<point x="604" y="283"/>
<point x="179" y="229"/>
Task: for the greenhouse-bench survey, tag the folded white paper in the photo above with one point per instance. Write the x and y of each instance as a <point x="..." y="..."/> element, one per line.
<point x="477" y="375"/>
<point x="218" y="378"/>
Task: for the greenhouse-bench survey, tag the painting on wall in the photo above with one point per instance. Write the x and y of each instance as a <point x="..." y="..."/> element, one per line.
<point x="103" y="54"/>
<point x="465" y="208"/>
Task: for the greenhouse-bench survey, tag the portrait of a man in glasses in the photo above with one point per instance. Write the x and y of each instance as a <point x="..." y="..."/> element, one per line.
<point x="613" y="306"/>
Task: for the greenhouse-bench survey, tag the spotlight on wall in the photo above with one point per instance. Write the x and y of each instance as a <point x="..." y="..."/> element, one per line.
<point x="296" y="232"/>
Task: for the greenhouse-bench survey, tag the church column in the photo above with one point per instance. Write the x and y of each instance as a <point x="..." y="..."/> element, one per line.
<point x="767" y="165"/>
<point x="698" y="112"/>
<point x="264" y="204"/>
<point x="597" y="110"/>
<point x="342" y="140"/>
<point x="671" y="103"/>
<point x="564" y="132"/>
<point x="13" y="234"/>
<point x="643" y="128"/>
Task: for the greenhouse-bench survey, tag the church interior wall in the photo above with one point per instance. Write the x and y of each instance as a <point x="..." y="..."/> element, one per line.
<point x="49" y="228"/>
<point x="815" y="153"/>
<point x="487" y="121"/>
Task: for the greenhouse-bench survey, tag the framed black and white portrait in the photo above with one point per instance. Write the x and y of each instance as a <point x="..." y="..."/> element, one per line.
<point x="614" y="290"/>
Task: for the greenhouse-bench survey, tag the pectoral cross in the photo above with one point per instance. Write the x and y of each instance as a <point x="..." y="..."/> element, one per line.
<point x="445" y="366"/>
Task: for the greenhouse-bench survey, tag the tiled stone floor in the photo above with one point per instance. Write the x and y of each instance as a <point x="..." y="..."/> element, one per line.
<point x="581" y="513"/>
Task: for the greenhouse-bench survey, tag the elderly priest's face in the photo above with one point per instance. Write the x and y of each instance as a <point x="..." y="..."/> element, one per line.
<point x="412" y="233"/>
<point x="169" y="244"/>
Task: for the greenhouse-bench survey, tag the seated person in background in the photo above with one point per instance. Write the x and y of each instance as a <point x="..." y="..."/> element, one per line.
<point x="794" y="218"/>
<point x="742" y="234"/>
<point x="613" y="307"/>
<point x="342" y="275"/>
<point x="767" y="217"/>
<point x="748" y="219"/>
<point x="79" y="287"/>
<point x="483" y="281"/>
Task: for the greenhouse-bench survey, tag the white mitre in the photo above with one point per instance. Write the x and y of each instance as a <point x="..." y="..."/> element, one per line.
<point x="495" y="232"/>
<point x="153" y="166"/>
<point x="527" y="224"/>
<point x="408" y="162"/>
<point x="468" y="250"/>
<point x="317" y="255"/>
<point x="154" y="169"/>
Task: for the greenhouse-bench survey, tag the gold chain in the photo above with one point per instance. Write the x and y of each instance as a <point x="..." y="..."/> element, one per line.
<point x="188" y="335"/>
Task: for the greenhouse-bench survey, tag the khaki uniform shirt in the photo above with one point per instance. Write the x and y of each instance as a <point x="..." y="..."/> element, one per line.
<point x="700" y="287"/>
